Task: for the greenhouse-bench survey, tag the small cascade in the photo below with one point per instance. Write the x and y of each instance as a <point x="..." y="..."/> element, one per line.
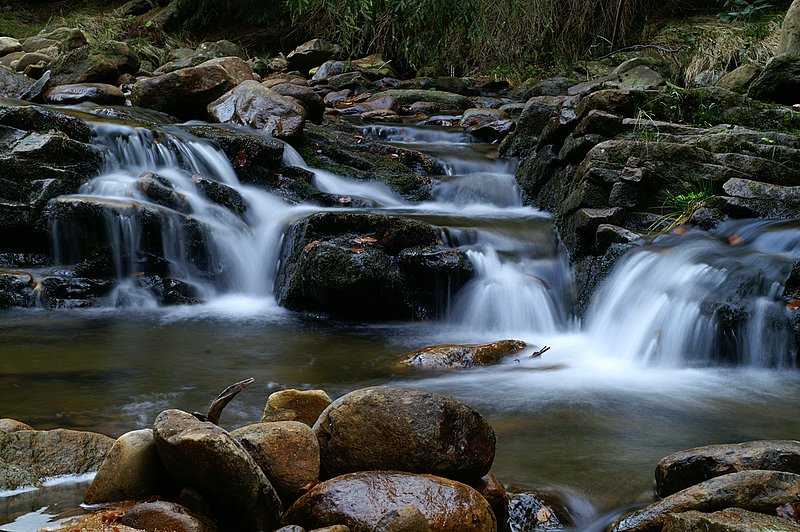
<point x="156" y="195"/>
<point x="497" y="189"/>
<point x="701" y="299"/>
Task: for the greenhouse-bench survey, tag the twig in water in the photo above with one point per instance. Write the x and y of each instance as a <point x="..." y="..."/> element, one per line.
<point x="540" y="352"/>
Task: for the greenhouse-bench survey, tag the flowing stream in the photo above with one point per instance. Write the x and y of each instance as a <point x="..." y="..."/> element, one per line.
<point x="685" y="344"/>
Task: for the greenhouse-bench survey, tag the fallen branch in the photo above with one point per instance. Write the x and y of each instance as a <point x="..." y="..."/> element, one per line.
<point x="540" y="352"/>
<point x="222" y="400"/>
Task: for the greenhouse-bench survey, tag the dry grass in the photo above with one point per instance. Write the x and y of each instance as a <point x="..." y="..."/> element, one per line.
<point x="105" y="520"/>
<point x="713" y="45"/>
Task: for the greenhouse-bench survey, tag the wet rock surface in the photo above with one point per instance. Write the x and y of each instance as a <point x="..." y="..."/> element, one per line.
<point x="306" y="404"/>
<point x="408" y="430"/>
<point x="692" y="466"/>
<point x="462" y="356"/>
<point x="164" y="515"/>
<point x="361" y="500"/>
<point x="728" y="520"/>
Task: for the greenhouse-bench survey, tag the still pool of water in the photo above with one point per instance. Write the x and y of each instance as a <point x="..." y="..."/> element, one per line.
<point x="579" y="422"/>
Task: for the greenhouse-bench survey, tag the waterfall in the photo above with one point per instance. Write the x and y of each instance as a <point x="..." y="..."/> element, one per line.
<point x="701" y="299"/>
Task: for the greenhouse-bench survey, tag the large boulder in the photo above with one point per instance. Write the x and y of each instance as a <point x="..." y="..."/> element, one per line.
<point x="404" y="429"/>
<point x="132" y="470"/>
<point x="12" y="83"/>
<point x="361" y="500"/>
<point x="95" y="63"/>
<point x="758" y="491"/>
<point x="685" y="468"/>
<point x="164" y="515"/>
<point x="100" y="93"/>
<point x="187" y="92"/>
<point x="790" y="31"/>
<point x="367" y="266"/>
<point x="251" y="104"/>
<point x="201" y="455"/>
<point x="312" y="102"/>
<point x="16" y="289"/>
<point x="28" y="457"/>
<point x="462" y="356"/>
<point x="779" y="82"/>
<point x="442" y="99"/>
<point x="9" y="45"/>
<point x="312" y="54"/>
<point x="63" y="39"/>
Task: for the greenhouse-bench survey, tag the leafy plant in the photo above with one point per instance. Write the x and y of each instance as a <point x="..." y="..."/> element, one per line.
<point x="744" y="9"/>
<point x="678" y="208"/>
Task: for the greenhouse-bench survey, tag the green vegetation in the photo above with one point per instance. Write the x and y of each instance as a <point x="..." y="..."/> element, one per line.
<point x="744" y="9"/>
<point x="677" y="208"/>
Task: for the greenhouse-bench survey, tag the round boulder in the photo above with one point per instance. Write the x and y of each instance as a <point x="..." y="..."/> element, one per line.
<point x="251" y="104"/>
<point x="132" y="470"/>
<point x="286" y="451"/>
<point x="201" y="455"/>
<point x="101" y="93"/>
<point x="12" y="425"/>
<point x="390" y="428"/>
<point x="362" y="500"/>
<point x="307" y="404"/>
<point x="163" y="515"/>
<point x="312" y="102"/>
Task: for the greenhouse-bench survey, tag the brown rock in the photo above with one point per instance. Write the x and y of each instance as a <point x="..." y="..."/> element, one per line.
<point x="462" y="356"/>
<point x="495" y="494"/>
<point x="12" y="425"/>
<point x="203" y="456"/>
<point x="307" y="404"/>
<point x="132" y="470"/>
<point x="385" y="427"/>
<point x="381" y="115"/>
<point x="95" y="63"/>
<point x="163" y="515"/>
<point x="692" y="466"/>
<point x="729" y="520"/>
<point x="101" y="93"/>
<point x="287" y="452"/>
<point x="29" y="456"/>
<point x="403" y="519"/>
<point x="32" y="58"/>
<point x="758" y="491"/>
<point x="361" y="500"/>
<point x="312" y="102"/>
<point x="187" y="91"/>
<point x="334" y="528"/>
<point x="251" y="104"/>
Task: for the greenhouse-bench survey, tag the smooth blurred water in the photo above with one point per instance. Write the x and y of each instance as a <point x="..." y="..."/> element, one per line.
<point x="642" y="377"/>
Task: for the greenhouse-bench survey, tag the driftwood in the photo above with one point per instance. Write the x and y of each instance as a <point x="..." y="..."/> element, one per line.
<point x="222" y="400"/>
<point x="540" y="352"/>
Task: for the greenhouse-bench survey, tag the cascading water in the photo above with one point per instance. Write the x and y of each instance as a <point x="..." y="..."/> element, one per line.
<point x="701" y="299"/>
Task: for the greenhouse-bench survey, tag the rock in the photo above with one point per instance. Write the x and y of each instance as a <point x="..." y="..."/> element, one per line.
<point x="95" y="63"/>
<point x="368" y="266"/>
<point x="758" y="491"/>
<point x="287" y="452"/>
<point x="403" y="519"/>
<point x="42" y="119"/>
<point x="64" y="39"/>
<point x="164" y="515"/>
<point x="355" y="81"/>
<point x="407" y="430"/>
<point x="312" y="102"/>
<point x="375" y="66"/>
<point x="32" y="58"/>
<point x="444" y="100"/>
<point x="12" y="425"/>
<point x="291" y="528"/>
<point x="307" y="404"/>
<point x="495" y="494"/>
<point x="462" y="356"/>
<point x="638" y="77"/>
<point x="530" y="88"/>
<point x="728" y="520"/>
<point x="779" y="82"/>
<point x="383" y="116"/>
<point x="361" y="500"/>
<point x="100" y="93"/>
<point x="488" y="125"/>
<point x="692" y="466"/>
<point x="13" y="84"/>
<point x="132" y="470"/>
<point x="203" y="456"/>
<point x="134" y="8"/>
<point x="16" y="290"/>
<point x="27" y="457"/>
<point x="256" y="106"/>
<point x="222" y="48"/>
<point x="255" y="157"/>
<point x="311" y="54"/>
<point x="534" y="118"/>
<point x="739" y="80"/>
<point x="187" y="92"/>
<point x="9" y="45"/>
<point x="336" y="97"/>
<point x="528" y="512"/>
<point x="790" y="32"/>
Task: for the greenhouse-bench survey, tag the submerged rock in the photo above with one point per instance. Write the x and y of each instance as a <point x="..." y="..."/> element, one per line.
<point x="462" y="356"/>
<point x="404" y="429"/>
<point x="361" y="500"/>
<point x="203" y="456"/>
<point x="692" y="466"/>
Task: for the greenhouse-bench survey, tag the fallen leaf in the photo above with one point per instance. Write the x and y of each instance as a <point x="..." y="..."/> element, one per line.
<point x="543" y="515"/>
<point x="680" y="231"/>
<point x="793" y="304"/>
<point x="735" y="240"/>
<point x="365" y="240"/>
<point x="311" y="245"/>
<point x="357" y="251"/>
<point x="240" y="159"/>
<point x="790" y="510"/>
